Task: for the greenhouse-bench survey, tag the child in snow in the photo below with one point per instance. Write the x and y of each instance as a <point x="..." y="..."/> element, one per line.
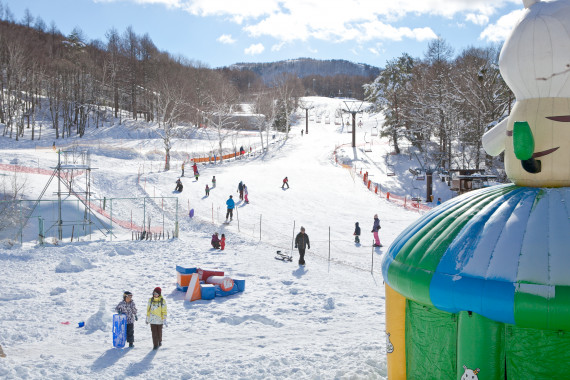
<point x="214" y="181"/>
<point x="356" y="233"/>
<point x="156" y="316"/>
<point x="179" y="186"/>
<point x="223" y="242"/>
<point x="245" y="193"/>
<point x="215" y="241"/>
<point x="375" y="228"/>
<point x="127" y="306"/>
<point x="207" y="190"/>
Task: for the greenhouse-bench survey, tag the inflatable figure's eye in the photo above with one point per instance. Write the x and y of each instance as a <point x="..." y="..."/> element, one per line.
<point x="562" y="119"/>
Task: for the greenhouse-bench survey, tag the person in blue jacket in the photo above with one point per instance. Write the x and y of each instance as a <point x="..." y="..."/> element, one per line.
<point x="231" y="204"/>
<point x="127" y="307"/>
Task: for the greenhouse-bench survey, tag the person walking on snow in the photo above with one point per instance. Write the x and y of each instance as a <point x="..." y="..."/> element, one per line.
<point x="156" y="316"/>
<point x="182" y="169"/>
<point x="302" y="242"/>
<point x="245" y="193"/>
<point x="285" y="183"/>
<point x="356" y="233"/>
<point x="207" y="190"/>
<point x="375" y="228"/>
<point x="231" y="204"/>
<point x="240" y="190"/>
<point x="127" y="307"/>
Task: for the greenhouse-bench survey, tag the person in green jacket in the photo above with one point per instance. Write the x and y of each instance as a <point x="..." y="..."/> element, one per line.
<point x="156" y="316"/>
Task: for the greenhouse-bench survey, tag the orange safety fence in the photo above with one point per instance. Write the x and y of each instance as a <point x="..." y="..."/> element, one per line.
<point x="404" y="201"/>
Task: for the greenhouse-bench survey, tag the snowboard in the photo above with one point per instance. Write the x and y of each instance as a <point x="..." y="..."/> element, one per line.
<point x="119" y="330"/>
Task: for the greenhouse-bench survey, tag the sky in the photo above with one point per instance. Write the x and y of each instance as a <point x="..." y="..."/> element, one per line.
<point x="219" y="33"/>
<point x="324" y="320"/>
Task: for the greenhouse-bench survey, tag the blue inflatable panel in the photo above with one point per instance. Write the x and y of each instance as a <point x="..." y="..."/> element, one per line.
<point x="181" y="288"/>
<point x="119" y="330"/>
<point x="208" y="291"/>
<point x="222" y="293"/>
<point x="240" y="284"/>
<point x="183" y="270"/>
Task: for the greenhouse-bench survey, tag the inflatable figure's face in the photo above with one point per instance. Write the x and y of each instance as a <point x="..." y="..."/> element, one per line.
<point x="537" y="145"/>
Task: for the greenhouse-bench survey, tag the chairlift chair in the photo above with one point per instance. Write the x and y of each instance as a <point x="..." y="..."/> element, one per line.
<point x="374" y="131"/>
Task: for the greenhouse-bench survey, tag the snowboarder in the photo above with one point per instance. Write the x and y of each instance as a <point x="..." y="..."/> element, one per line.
<point x="207" y="190"/>
<point x="156" y="316"/>
<point x="215" y="241"/>
<point x="285" y="182"/>
<point x="375" y="228"/>
<point x="240" y="190"/>
<point x="214" y="181"/>
<point x="127" y="306"/>
<point x="231" y="204"/>
<point x="245" y="193"/>
<point x="223" y="242"/>
<point x="179" y="186"/>
<point x="302" y="242"/>
<point x="356" y="233"/>
<point x="182" y="169"/>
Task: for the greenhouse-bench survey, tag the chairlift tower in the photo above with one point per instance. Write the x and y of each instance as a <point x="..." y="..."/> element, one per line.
<point x="307" y="106"/>
<point x="353" y="107"/>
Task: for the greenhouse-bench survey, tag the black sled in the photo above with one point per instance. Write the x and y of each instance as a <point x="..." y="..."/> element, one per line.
<point x="283" y="256"/>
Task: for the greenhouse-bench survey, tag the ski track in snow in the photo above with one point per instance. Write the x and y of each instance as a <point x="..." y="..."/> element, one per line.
<point x="321" y="321"/>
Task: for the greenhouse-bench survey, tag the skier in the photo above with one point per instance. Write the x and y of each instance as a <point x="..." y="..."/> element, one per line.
<point x="375" y="228"/>
<point x="223" y="242"/>
<point x="285" y="182"/>
<point x="207" y="190"/>
<point x="156" y="316"/>
<point x="302" y="241"/>
<point x="215" y="241"/>
<point x="240" y="190"/>
<point x="231" y="204"/>
<point x="179" y="186"/>
<point x="127" y="306"/>
<point x="245" y="193"/>
<point x="356" y="233"/>
<point x="214" y="181"/>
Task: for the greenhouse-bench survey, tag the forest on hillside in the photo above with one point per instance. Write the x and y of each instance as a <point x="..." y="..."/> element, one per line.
<point x="76" y="83"/>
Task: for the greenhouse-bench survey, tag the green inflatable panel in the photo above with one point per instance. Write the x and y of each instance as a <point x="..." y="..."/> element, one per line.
<point x="523" y="140"/>
<point x="480" y="347"/>
<point x="431" y="337"/>
<point x="537" y="354"/>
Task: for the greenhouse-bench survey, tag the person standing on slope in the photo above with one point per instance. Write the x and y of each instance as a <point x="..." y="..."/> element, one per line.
<point x="240" y="190"/>
<point x="231" y="204"/>
<point x="127" y="307"/>
<point x="375" y="228"/>
<point x="302" y="242"/>
<point x="156" y="316"/>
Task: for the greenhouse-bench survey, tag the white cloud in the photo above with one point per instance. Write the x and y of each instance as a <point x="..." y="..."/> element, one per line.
<point x="338" y="20"/>
<point x="254" y="49"/>
<point x="477" y="19"/>
<point x="502" y="28"/>
<point x="374" y="51"/>
<point x="226" y="39"/>
<point x="278" y="46"/>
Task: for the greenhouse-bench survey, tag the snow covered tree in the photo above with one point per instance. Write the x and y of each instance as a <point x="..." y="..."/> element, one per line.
<point x="388" y="93"/>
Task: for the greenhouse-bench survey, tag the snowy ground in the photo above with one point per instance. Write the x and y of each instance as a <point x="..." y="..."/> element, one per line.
<point x="321" y="321"/>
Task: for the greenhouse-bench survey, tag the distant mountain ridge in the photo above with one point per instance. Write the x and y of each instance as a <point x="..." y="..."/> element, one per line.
<point x="304" y="67"/>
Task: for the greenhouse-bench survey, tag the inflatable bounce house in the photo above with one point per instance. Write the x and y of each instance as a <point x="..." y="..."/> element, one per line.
<point x="202" y="284"/>
<point x="479" y="288"/>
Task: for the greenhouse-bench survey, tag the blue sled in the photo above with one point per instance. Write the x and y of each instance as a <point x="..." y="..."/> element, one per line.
<point x="119" y="330"/>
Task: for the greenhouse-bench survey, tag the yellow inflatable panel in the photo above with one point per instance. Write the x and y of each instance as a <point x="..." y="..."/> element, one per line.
<point x="395" y="334"/>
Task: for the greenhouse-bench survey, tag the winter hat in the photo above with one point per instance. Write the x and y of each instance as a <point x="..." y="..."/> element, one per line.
<point x="376" y="215"/>
<point x="157" y="290"/>
<point x="127" y="293"/>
